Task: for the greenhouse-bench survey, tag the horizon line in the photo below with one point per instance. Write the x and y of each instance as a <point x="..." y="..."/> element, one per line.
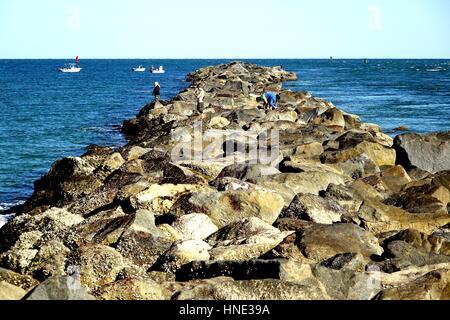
<point x="323" y="58"/>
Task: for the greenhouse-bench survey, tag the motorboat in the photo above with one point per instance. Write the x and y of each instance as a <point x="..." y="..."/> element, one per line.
<point x="158" y="70"/>
<point x="139" y="69"/>
<point x="71" y="68"/>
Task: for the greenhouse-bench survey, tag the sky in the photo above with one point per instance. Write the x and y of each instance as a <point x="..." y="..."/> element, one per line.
<point x="168" y="29"/>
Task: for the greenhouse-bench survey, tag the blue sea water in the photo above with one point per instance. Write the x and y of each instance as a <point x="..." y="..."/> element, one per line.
<point x="46" y="115"/>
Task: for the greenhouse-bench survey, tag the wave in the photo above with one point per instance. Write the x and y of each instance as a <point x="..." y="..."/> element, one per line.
<point x="8" y="205"/>
<point x="4" y="219"/>
<point x="98" y="129"/>
<point x="438" y="69"/>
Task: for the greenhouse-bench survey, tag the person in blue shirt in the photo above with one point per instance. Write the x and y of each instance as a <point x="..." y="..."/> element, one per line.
<point x="269" y="100"/>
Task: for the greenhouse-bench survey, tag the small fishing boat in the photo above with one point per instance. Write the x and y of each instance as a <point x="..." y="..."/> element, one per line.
<point x="158" y="70"/>
<point x="72" y="67"/>
<point x="139" y="69"/>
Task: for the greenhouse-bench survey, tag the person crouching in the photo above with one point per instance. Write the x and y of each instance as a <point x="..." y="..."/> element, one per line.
<point x="269" y="100"/>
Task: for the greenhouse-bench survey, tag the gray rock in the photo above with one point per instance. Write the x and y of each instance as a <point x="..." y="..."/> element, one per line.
<point x="226" y="207"/>
<point x="348" y="284"/>
<point x="314" y="208"/>
<point x="321" y="242"/>
<point x="246" y="171"/>
<point x="347" y="261"/>
<point x="98" y="265"/>
<point x="142" y="249"/>
<point x="424" y="242"/>
<point x="180" y="254"/>
<point x="244" y="240"/>
<point x="403" y="255"/>
<point x="427" y="152"/>
<point x="432" y="286"/>
<point x="132" y="290"/>
<point x="60" y="288"/>
<point x="227" y="289"/>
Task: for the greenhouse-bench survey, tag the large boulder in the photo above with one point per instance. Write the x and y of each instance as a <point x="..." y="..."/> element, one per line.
<point x="22" y="281"/>
<point x="333" y="118"/>
<point x="11" y="292"/>
<point x="50" y="260"/>
<point x="132" y="289"/>
<point x="218" y="123"/>
<point x="340" y="285"/>
<point x="101" y="225"/>
<point x="432" y="286"/>
<point x="428" y="152"/>
<point x="347" y="199"/>
<point x="245" y="239"/>
<point x="309" y="150"/>
<point x="288" y="185"/>
<point x="160" y="198"/>
<point x="314" y="208"/>
<point x="348" y="284"/>
<point x="24" y="246"/>
<point x="182" y="253"/>
<point x="402" y="255"/>
<point x="195" y="226"/>
<point x="247" y="171"/>
<point x="379" y="154"/>
<point x="141" y="248"/>
<point x="379" y="218"/>
<point x="346" y="261"/>
<point x="105" y="195"/>
<point x="422" y="197"/>
<point x="279" y="115"/>
<point x="53" y="221"/>
<point x="68" y="180"/>
<point x="424" y="242"/>
<point x="226" y="207"/>
<point x="60" y="288"/>
<point x="322" y="242"/>
<point x="268" y="289"/>
<point x="98" y="265"/>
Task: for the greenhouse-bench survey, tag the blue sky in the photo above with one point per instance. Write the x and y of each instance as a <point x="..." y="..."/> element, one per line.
<point x="225" y="29"/>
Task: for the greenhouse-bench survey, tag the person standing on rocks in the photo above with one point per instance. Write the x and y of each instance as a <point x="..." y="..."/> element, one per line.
<point x="269" y="100"/>
<point x="157" y="92"/>
<point x="200" y="95"/>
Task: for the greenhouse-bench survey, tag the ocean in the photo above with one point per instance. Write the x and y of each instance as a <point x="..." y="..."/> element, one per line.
<point x="47" y="115"/>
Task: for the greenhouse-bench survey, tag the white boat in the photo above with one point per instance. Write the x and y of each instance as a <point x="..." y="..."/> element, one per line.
<point x="71" y="68"/>
<point x="158" y="70"/>
<point x="139" y="69"/>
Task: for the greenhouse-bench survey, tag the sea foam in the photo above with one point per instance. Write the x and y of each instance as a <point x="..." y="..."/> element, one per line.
<point x="4" y="219"/>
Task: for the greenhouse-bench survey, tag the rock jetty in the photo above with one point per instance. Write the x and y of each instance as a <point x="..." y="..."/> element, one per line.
<point x="305" y="202"/>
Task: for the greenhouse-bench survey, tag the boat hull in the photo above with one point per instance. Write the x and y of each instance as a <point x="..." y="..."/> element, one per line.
<point x="75" y="70"/>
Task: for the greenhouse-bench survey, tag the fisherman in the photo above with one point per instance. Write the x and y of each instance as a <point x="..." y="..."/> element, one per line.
<point x="157" y="91"/>
<point x="200" y="95"/>
<point x="269" y="100"/>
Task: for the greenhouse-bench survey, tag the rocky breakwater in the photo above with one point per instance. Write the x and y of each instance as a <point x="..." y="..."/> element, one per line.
<point x="305" y="202"/>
